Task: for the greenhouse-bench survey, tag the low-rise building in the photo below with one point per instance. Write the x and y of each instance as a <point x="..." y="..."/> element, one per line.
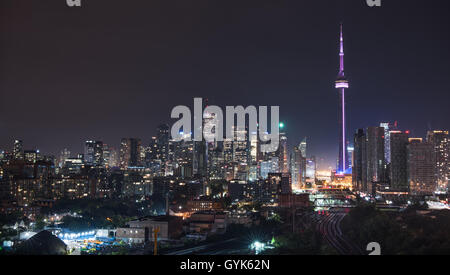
<point x="8" y="208"/>
<point x="210" y="222"/>
<point x="141" y="230"/>
<point x="203" y="205"/>
<point x="294" y="200"/>
<point x="245" y="218"/>
<point x="133" y="235"/>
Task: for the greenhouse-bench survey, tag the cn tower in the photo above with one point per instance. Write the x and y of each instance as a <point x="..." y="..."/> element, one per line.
<point x="341" y="85"/>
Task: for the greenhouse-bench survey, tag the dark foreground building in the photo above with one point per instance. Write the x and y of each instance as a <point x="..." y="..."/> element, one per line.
<point x="43" y="243"/>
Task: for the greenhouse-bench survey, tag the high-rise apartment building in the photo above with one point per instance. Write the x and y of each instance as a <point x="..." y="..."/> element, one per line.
<point x="298" y="168"/>
<point x="421" y="167"/>
<point x="130" y="152"/>
<point x="65" y="154"/>
<point x="31" y="156"/>
<point x="441" y="144"/>
<point x="18" y="149"/>
<point x="162" y="143"/>
<point x="388" y="127"/>
<point x="375" y="154"/>
<point x="399" y="161"/>
<point x="302" y="147"/>
<point x="311" y="169"/>
<point x="93" y="153"/>
<point x="283" y="155"/>
<point x="359" y="169"/>
<point x="369" y="166"/>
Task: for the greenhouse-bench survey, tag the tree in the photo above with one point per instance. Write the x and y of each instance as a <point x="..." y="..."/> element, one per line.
<point x="217" y="187"/>
<point x="39" y="224"/>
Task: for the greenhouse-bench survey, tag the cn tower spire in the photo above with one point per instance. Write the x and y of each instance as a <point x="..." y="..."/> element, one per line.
<point x="341" y="52"/>
<point x="341" y="84"/>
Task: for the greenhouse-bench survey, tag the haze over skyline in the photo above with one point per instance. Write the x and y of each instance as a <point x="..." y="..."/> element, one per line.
<point x="114" y="69"/>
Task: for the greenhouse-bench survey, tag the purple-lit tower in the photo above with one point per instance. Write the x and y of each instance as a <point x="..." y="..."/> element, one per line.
<point x="341" y="85"/>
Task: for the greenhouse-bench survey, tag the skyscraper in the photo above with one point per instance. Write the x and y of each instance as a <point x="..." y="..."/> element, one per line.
<point x="241" y="153"/>
<point x="359" y="169"/>
<point x="311" y="169"/>
<point x="375" y="155"/>
<point x="240" y="147"/>
<point x="387" y="139"/>
<point x="130" y="149"/>
<point x="298" y="168"/>
<point x="200" y="159"/>
<point x="162" y="141"/>
<point x="31" y="156"/>
<point x="106" y="154"/>
<point x="421" y="164"/>
<point x="113" y="157"/>
<point x="341" y="84"/>
<point x="441" y="144"/>
<point x="369" y="164"/>
<point x="93" y="153"/>
<point x="399" y="162"/>
<point x="228" y="150"/>
<point x="65" y="154"/>
<point x="109" y="156"/>
<point x="302" y="147"/>
<point x="350" y="151"/>
<point x="151" y="151"/>
<point x="183" y="158"/>
<point x="18" y="149"/>
<point x="283" y="154"/>
<point x="254" y="155"/>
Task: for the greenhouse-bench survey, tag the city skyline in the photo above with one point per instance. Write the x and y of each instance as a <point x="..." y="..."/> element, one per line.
<point x="224" y="128"/>
<point x="99" y="103"/>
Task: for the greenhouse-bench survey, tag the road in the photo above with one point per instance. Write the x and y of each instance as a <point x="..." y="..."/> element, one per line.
<point x="329" y="226"/>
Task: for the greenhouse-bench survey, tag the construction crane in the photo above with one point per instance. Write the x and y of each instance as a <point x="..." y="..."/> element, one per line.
<point x="155" y="234"/>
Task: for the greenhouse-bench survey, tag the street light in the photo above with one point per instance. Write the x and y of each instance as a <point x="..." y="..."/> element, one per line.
<point x="258" y="247"/>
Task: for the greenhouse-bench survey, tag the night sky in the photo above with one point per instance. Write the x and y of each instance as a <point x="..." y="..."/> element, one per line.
<point x="116" y="68"/>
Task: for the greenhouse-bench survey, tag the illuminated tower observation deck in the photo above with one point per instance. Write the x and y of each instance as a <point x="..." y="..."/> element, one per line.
<point x="341" y="85"/>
